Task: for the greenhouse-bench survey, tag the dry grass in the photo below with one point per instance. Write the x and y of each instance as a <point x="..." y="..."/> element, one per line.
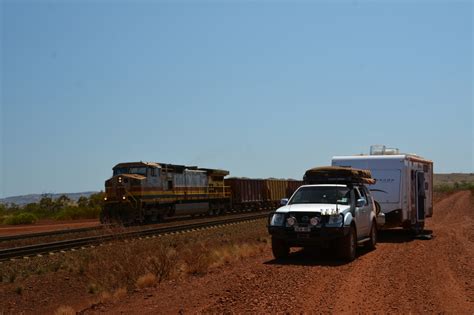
<point x="163" y="262"/>
<point x="146" y="281"/>
<point x="104" y="297"/>
<point x="229" y="254"/>
<point x="453" y="178"/>
<point x="65" y="310"/>
<point x="126" y="265"/>
<point x="107" y="297"/>
<point x="119" y="294"/>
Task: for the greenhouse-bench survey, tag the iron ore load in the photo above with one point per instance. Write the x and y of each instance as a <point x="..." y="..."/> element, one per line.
<point x="144" y="192"/>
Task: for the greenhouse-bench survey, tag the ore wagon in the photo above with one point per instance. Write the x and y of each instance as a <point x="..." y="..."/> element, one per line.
<point x="252" y="194"/>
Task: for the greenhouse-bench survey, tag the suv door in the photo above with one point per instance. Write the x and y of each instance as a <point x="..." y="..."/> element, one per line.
<point x="362" y="214"/>
<point x="371" y="207"/>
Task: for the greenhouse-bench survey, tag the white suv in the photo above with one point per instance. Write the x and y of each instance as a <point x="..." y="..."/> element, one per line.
<point x="340" y="215"/>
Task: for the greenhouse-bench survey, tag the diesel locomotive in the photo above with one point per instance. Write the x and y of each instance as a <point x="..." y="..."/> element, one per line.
<point x="145" y="192"/>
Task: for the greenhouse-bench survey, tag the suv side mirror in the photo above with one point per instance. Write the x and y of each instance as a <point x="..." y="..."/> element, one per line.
<point x="361" y="202"/>
<point x="284" y="202"/>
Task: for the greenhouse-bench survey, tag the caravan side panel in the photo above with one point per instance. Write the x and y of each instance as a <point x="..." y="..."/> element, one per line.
<point x="395" y="188"/>
<point x="390" y="189"/>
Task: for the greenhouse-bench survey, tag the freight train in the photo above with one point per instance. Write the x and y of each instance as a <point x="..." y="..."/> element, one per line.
<point x="146" y="192"/>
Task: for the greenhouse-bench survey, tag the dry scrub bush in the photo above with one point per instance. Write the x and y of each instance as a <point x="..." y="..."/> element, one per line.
<point x="119" y="294"/>
<point x="146" y="281"/>
<point x="172" y="256"/>
<point x="104" y="297"/>
<point x="115" y="266"/>
<point x="163" y="262"/>
<point x="231" y="253"/>
<point x="65" y="310"/>
<point x="197" y="259"/>
<point x="118" y="266"/>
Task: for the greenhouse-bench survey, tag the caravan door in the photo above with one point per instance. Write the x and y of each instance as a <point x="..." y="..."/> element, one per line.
<point x="420" y="196"/>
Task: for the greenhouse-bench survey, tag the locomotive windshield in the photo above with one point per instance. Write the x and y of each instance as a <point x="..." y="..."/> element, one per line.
<point x="318" y="194"/>
<point x="130" y="170"/>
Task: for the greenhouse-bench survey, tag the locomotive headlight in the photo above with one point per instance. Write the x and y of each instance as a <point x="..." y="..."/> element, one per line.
<point x="277" y="219"/>
<point x="105" y="198"/>
<point x="120" y="179"/>
<point x="124" y="197"/>
<point x="291" y="221"/>
<point x="314" y="221"/>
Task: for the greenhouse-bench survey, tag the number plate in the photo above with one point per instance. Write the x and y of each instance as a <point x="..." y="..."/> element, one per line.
<point x="302" y="229"/>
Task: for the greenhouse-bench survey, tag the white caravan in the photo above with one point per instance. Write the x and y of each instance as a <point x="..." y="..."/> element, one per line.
<point x="404" y="184"/>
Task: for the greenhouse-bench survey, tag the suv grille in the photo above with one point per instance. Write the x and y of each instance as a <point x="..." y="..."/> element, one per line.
<point x="303" y="217"/>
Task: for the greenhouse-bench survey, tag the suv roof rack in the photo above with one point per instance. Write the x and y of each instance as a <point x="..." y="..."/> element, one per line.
<point x="337" y="175"/>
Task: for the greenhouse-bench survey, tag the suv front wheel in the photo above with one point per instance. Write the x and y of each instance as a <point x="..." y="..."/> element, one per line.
<point x="349" y="245"/>
<point x="372" y="237"/>
<point x="279" y="248"/>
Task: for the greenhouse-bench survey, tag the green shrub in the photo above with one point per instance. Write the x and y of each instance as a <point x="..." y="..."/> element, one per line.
<point x="20" y="218"/>
<point x="457" y="186"/>
<point x="72" y="212"/>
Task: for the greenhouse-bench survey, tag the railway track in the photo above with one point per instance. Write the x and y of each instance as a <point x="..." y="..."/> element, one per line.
<point x="51" y="247"/>
<point x="26" y="236"/>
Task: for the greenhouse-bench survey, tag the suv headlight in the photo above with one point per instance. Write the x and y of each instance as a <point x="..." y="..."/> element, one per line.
<point x="277" y="219"/>
<point x="291" y="221"/>
<point x="335" y="219"/>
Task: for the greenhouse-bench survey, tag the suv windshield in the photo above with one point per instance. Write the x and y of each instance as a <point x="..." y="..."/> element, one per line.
<point x="321" y="194"/>
<point x="130" y="170"/>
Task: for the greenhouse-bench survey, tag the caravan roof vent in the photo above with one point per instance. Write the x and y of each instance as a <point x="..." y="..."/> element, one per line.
<point x="380" y="149"/>
<point x="391" y="151"/>
<point x="377" y="149"/>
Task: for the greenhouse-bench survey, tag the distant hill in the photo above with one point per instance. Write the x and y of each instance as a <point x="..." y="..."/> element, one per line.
<point x="26" y="199"/>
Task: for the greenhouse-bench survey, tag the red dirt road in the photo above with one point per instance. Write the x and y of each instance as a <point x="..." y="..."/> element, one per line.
<point x="46" y="226"/>
<point x="401" y="276"/>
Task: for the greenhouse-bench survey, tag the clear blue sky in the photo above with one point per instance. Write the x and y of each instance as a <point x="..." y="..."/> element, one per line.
<point x="262" y="89"/>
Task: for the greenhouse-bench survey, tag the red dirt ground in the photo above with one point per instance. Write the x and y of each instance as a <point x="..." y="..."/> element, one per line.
<point x="47" y="225"/>
<point x="402" y="276"/>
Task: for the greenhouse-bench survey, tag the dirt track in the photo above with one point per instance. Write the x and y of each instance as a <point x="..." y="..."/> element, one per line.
<point x="401" y="276"/>
<point x="46" y="226"/>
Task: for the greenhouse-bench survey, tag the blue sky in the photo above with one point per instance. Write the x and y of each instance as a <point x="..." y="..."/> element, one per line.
<point x="262" y="89"/>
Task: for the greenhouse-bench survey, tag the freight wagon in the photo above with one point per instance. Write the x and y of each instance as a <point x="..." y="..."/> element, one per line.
<point x="249" y="193"/>
<point x="404" y="184"/>
<point x="144" y="192"/>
